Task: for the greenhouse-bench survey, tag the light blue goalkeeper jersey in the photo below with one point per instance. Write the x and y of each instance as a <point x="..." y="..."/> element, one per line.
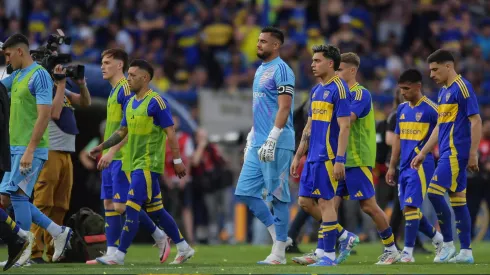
<point x="272" y="79"/>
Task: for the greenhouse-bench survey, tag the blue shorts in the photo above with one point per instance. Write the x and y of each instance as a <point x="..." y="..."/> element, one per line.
<point x="317" y="180"/>
<point x="115" y="183"/>
<point x="272" y="178"/>
<point x="145" y="190"/>
<point x="358" y="183"/>
<point x="14" y="180"/>
<point x="412" y="184"/>
<point x="451" y="174"/>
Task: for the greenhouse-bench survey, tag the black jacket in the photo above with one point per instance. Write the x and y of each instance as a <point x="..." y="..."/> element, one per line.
<point x="4" y="130"/>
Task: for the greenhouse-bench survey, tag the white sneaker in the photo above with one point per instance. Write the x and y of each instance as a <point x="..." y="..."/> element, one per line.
<point x="164" y="247"/>
<point x="26" y="255"/>
<point x="406" y="258"/>
<point x="109" y="260"/>
<point x="462" y="258"/>
<point x="61" y="242"/>
<point x="273" y="259"/>
<point x="183" y="256"/>
<point x="306" y="259"/>
<point x="446" y="253"/>
<point x="389" y="257"/>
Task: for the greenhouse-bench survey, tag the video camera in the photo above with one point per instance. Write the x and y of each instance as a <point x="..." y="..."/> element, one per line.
<point x="48" y="56"/>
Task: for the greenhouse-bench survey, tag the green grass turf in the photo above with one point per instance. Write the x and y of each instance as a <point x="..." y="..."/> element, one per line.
<point x="143" y="259"/>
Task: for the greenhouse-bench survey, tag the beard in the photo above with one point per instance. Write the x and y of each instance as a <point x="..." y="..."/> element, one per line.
<point x="264" y="55"/>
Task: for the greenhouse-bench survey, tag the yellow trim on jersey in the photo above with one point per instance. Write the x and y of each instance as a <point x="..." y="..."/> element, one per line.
<point x="335" y="77"/>
<point x="127" y="90"/>
<point x="413" y="130"/>
<point x="355" y="86"/>
<point x="330" y="152"/>
<point x="457" y="77"/>
<point x="454" y="151"/>
<point x="341" y="88"/>
<point x="463" y="88"/>
<point x="133" y="205"/>
<point x="160" y="101"/>
<point x="368" y="174"/>
<point x="418" y="102"/>
<point x="322" y="111"/>
<point x="423" y="181"/>
<point x="453" y="162"/>
<point x="447" y="113"/>
<point x="329" y="167"/>
<point x="147" y="175"/>
<point x="430" y="103"/>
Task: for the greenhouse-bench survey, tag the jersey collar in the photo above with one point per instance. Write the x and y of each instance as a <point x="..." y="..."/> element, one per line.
<point x="335" y="77"/>
<point x="418" y="102"/>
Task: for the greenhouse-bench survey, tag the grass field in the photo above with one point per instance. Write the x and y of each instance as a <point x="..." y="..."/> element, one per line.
<point x="242" y="259"/>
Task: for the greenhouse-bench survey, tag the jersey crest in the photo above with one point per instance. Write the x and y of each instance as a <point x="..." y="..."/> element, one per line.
<point x="418" y="116"/>
<point x="325" y="94"/>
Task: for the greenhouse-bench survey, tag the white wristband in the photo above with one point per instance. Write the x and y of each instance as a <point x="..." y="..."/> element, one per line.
<point x="275" y="132"/>
<point x="177" y="161"/>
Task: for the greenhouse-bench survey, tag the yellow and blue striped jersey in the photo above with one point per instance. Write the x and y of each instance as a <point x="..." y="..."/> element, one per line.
<point x="457" y="102"/>
<point x="414" y="125"/>
<point x="328" y="102"/>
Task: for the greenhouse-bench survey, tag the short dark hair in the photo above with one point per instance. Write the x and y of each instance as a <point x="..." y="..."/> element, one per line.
<point x="144" y="65"/>
<point x="350" y="58"/>
<point x="15" y="39"/>
<point x="410" y="76"/>
<point x="330" y="52"/>
<point x="118" y="54"/>
<point x="440" y="56"/>
<point x="275" y="32"/>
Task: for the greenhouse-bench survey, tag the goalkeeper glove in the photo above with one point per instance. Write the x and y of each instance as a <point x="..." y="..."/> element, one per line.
<point x="268" y="150"/>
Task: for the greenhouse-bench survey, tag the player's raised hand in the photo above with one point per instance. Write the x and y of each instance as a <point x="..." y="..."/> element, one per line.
<point x="417" y="161"/>
<point x="339" y="171"/>
<point x="294" y="168"/>
<point x="180" y="170"/>
<point x="95" y="151"/>
<point x="390" y="177"/>
<point x="473" y="163"/>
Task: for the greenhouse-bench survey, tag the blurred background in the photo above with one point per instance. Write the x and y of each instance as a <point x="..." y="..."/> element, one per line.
<point x="204" y="52"/>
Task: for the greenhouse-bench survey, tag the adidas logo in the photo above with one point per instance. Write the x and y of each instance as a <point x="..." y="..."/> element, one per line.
<point x="117" y="197"/>
<point x="125" y="228"/>
<point x="358" y="194"/>
<point x="131" y="192"/>
<point x="402" y="116"/>
<point x="409" y="200"/>
<point x="434" y="178"/>
<point x="106" y="225"/>
<point x="316" y="192"/>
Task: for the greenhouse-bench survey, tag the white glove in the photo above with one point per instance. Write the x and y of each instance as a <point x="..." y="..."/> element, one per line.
<point x="268" y="150"/>
<point x="249" y="143"/>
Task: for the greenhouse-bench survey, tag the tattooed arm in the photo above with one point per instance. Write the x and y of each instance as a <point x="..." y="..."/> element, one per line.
<point x="113" y="140"/>
<point x="302" y="148"/>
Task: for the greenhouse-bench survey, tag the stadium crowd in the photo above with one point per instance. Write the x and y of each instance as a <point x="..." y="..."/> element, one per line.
<point x="211" y="44"/>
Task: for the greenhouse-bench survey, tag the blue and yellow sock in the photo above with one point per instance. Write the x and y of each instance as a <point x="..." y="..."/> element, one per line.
<point x="412" y="222"/>
<point x="258" y="208"/>
<point x="436" y="197"/>
<point x="388" y="239"/>
<point x="340" y="232"/>
<point x="425" y="227"/>
<point x="113" y="227"/>
<point x="22" y="210"/>
<point x="167" y="222"/>
<point x="463" y="222"/>
<point x="329" y="238"/>
<point x="131" y="225"/>
<point x="281" y="213"/>
<point x="4" y="217"/>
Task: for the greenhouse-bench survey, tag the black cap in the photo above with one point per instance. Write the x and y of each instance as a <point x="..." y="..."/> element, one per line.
<point x="14" y="40"/>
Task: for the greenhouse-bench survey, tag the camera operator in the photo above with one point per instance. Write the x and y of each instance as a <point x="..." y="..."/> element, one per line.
<point x="52" y="191"/>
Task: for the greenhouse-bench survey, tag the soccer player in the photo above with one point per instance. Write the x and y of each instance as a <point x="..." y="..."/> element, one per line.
<point x="147" y="122"/>
<point x="361" y="157"/>
<point x="115" y="181"/>
<point x="325" y="137"/>
<point x="416" y="119"/>
<point x="270" y="144"/>
<point x="458" y="131"/>
<point x="31" y="88"/>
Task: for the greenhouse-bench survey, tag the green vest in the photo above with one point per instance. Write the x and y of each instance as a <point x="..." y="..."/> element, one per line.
<point x="23" y="112"/>
<point x="361" y="150"/>
<point x="115" y="115"/>
<point x="146" y="142"/>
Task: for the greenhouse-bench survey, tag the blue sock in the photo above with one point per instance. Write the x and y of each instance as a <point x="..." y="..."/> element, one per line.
<point x="329" y="237"/>
<point x="281" y="213"/>
<point x="168" y="224"/>
<point x="320" y="244"/>
<point x="425" y="227"/>
<point x="130" y="228"/>
<point x="39" y="218"/>
<point x="113" y="227"/>
<point x="463" y="222"/>
<point x="147" y="223"/>
<point x="412" y="222"/>
<point x="436" y="197"/>
<point x="22" y="210"/>
<point x="6" y="219"/>
<point x="387" y="237"/>
<point x="258" y="208"/>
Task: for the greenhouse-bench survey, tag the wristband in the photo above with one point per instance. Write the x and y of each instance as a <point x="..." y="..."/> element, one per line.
<point x="275" y="132"/>
<point x="340" y="159"/>
<point x="177" y="161"/>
